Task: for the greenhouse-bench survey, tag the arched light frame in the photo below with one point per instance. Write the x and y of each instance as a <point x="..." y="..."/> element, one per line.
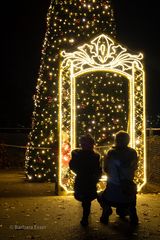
<point x="105" y="55"/>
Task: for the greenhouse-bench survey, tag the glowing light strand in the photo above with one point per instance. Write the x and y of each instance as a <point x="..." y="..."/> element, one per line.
<point x="100" y="55"/>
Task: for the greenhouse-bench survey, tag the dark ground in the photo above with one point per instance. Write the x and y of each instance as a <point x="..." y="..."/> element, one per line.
<point x="32" y="211"/>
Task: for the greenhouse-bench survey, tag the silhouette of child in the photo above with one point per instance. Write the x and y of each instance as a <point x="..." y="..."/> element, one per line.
<point x="120" y="165"/>
<point x="85" y="163"/>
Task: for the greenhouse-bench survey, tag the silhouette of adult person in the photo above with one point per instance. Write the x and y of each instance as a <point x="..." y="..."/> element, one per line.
<point x="120" y="164"/>
<point x="85" y="163"/>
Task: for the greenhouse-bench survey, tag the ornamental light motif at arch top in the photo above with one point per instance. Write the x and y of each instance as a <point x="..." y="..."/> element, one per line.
<point x="101" y="54"/>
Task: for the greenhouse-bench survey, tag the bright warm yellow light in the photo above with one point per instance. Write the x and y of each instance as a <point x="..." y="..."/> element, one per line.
<point x="105" y="55"/>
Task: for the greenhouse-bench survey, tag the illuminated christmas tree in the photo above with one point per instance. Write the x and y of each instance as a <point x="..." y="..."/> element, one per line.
<point x="101" y="102"/>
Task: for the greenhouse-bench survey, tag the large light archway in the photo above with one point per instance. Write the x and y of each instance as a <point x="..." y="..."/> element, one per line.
<point x="101" y="54"/>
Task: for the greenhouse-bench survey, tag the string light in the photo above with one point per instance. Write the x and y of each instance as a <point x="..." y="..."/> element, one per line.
<point x="69" y="22"/>
<point x="103" y="82"/>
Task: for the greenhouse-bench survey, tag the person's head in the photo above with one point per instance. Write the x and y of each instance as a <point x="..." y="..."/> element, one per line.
<point x="122" y="139"/>
<point x="87" y="142"/>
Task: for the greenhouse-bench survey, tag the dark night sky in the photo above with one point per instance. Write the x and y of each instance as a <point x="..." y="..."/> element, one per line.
<point x="24" y="26"/>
